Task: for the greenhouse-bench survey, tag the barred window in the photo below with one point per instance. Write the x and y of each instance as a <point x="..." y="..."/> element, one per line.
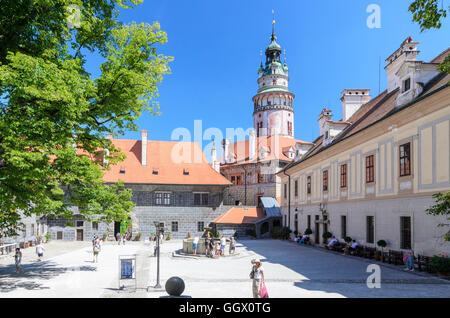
<point x="285" y="191"/>
<point x="405" y="232"/>
<point x="200" y="226"/>
<point x="405" y="160"/>
<point x="308" y="185"/>
<point x="174" y="226"/>
<point x="296" y="188"/>
<point x="370" y="229"/>
<point x="343" y="226"/>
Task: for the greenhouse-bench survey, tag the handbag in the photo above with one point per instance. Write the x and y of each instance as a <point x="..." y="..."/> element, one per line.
<point x="405" y="257"/>
<point x="264" y="293"/>
<point x="252" y="273"/>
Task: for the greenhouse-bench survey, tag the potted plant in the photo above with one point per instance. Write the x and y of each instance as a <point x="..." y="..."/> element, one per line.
<point x="326" y="236"/>
<point x="168" y="237"/>
<point x="48" y="236"/>
<point x="138" y="237"/>
<point x="382" y="244"/>
<point x="153" y="235"/>
<point x="295" y="232"/>
<point x="105" y="235"/>
<point x="308" y="231"/>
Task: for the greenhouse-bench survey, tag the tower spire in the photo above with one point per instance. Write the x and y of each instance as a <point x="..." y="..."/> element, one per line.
<point x="273" y="26"/>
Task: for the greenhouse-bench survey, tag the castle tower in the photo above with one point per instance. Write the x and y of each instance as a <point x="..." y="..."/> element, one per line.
<point x="273" y="104"/>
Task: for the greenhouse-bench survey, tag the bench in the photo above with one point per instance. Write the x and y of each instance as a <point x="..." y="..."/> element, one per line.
<point x="7" y="247"/>
<point x="357" y="251"/>
<point x="338" y="247"/>
<point x="369" y="252"/>
<point x="395" y="257"/>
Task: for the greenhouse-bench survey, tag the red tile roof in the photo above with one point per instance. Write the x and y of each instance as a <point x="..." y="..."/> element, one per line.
<point x="376" y="109"/>
<point x="239" y="215"/>
<point x="170" y="158"/>
<point x="240" y="149"/>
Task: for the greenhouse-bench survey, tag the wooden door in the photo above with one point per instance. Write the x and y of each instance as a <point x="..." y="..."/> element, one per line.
<point x="79" y="235"/>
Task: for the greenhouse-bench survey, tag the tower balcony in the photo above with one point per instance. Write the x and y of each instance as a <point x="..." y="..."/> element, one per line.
<point x="272" y="107"/>
<point x="273" y="88"/>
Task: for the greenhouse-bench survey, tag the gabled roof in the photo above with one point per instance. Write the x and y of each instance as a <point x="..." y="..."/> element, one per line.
<point x="240" y="215"/>
<point x="376" y="110"/>
<point x="275" y="144"/>
<point x="174" y="161"/>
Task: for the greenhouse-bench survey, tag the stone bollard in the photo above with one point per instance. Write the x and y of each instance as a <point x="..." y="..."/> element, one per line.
<point x="175" y="286"/>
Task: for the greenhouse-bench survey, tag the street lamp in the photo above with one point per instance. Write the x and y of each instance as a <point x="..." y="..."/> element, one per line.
<point x="158" y="232"/>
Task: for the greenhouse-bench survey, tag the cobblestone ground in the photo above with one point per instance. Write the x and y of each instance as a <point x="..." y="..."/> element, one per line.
<point x="290" y="271"/>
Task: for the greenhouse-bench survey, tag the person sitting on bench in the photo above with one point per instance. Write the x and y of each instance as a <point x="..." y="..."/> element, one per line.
<point x="333" y="241"/>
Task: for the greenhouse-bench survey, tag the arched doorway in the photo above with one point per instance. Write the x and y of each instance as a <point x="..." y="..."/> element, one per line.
<point x="264" y="228"/>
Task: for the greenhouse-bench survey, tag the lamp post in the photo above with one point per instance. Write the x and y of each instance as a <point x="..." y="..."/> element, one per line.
<point x="158" y="231"/>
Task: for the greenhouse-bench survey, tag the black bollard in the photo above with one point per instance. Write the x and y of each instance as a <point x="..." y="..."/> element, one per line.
<point x="175" y="286"/>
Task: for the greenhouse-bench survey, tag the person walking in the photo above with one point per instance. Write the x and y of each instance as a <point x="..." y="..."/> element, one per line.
<point x="40" y="251"/>
<point x="257" y="275"/>
<point x="97" y="249"/>
<point x="118" y="237"/>
<point x="18" y="260"/>
<point x="410" y="261"/>
<point x="232" y="245"/>
<point x="223" y="244"/>
<point x="195" y="245"/>
<point x="207" y="243"/>
<point x="124" y="238"/>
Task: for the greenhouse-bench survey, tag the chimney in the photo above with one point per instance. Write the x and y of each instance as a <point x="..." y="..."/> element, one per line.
<point x="225" y="144"/>
<point x="144" y="134"/>
<point x="352" y="100"/>
<point x="323" y="117"/>
<point x="252" y="145"/>
<point x="213" y="155"/>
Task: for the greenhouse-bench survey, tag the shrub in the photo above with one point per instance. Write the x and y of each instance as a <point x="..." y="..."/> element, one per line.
<point x="327" y="235"/>
<point x="382" y="243"/>
<point x="105" y="235"/>
<point x="70" y="224"/>
<point x="348" y="239"/>
<point x="279" y="232"/>
<point x="308" y="231"/>
<point x="440" y="264"/>
<point x="295" y="232"/>
<point x="48" y="236"/>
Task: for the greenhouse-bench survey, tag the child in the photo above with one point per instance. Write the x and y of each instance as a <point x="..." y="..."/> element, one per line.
<point x="18" y="260"/>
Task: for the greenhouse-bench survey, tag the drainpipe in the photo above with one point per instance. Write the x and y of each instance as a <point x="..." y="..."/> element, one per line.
<point x="245" y="185"/>
<point x="289" y="198"/>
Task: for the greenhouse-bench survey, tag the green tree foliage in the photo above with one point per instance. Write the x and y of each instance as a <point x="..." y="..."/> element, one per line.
<point x="428" y="15"/>
<point x="54" y="115"/>
<point x="442" y="207"/>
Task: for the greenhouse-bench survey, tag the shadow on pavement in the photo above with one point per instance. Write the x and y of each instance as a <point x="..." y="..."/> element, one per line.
<point x="10" y="280"/>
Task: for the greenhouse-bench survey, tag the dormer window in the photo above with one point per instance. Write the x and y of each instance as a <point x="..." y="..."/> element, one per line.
<point x="185" y="172"/>
<point x="155" y="171"/>
<point x="122" y="170"/>
<point x="406" y="85"/>
<point x="326" y="135"/>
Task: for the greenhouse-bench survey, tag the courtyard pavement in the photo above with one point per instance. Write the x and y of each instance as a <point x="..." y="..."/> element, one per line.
<point x="291" y="271"/>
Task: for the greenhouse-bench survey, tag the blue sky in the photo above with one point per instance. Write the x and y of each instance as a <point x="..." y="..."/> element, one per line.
<point x="217" y="44"/>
